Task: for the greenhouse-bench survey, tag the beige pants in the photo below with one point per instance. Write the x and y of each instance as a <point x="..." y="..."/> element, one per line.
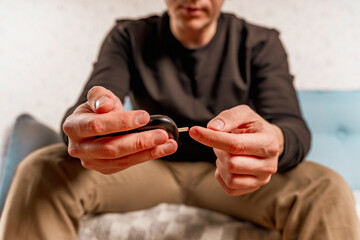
<point x="52" y="191"/>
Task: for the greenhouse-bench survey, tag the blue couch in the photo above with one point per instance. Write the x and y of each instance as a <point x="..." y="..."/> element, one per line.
<point x="334" y="120"/>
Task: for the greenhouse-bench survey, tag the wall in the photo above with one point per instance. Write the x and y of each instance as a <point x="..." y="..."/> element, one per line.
<point x="47" y="47"/>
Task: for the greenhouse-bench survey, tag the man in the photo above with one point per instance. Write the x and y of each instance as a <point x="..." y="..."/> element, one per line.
<point x="226" y="79"/>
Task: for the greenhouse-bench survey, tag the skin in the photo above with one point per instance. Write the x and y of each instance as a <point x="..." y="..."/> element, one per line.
<point x="194" y="22"/>
<point x="102" y="114"/>
<point x="246" y="145"/>
<point x="247" y="148"/>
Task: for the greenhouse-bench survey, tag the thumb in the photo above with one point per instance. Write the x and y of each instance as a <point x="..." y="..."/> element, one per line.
<point x="102" y="100"/>
<point x="233" y="118"/>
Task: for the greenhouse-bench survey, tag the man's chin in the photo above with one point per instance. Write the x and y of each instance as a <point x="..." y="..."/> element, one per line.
<point x="194" y="25"/>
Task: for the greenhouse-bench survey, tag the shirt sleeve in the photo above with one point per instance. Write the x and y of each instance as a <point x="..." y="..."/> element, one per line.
<point x="111" y="70"/>
<point x="275" y="99"/>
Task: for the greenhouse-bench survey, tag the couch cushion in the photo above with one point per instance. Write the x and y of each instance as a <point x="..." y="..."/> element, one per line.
<point x="334" y="120"/>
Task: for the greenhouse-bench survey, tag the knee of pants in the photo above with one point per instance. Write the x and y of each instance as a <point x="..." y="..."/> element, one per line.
<point x="40" y="160"/>
<point x="316" y="203"/>
<point x="41" y="172"/>
<point x="333" y="183"/>
<point x="323" y="186"/>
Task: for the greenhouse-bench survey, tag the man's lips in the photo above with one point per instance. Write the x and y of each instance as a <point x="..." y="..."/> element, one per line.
<point x="192" y="11"/>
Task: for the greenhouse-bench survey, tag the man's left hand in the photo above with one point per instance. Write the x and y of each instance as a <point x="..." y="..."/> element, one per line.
<point x="247" y="148"/>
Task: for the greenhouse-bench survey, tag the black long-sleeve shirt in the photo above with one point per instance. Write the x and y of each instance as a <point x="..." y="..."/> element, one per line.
<point x="242" y="64"/>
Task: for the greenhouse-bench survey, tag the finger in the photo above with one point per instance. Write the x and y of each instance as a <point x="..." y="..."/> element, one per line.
<point x="233" y="118"/>
<point x="102" y="100"/>
<point x="236" y="181"/>
<point x="241" y="181"/>
<point x="243" y="144"/>
<point x="118" y="164"/>
<point x="116" y="147"/>
<point x="233" y="191"/>
<point x="244" y="164"/>
<point x="79" y="126"/>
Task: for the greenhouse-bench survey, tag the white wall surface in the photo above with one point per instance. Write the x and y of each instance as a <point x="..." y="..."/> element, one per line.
<point x="47" y="47"/>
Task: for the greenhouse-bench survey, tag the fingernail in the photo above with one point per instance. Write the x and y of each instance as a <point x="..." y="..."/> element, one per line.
<point x="101" y="101"/>
<point x="216" y="124"/>
<point x="193" y="132"/>
<point x="169" y="148"/>
<point x="159" y="139"/>
<point x="141" y="119"/>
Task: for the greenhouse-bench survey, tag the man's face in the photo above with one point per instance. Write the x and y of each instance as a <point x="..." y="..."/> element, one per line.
<point x="193" y="15"/>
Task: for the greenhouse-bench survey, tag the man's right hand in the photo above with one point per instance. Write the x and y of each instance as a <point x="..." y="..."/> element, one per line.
<point x="103" y="114"/>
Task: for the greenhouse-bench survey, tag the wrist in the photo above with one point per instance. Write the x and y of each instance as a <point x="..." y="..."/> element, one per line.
<point x="280" y="137"/>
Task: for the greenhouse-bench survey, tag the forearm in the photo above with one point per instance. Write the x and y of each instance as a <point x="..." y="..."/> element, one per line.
<point x="297" y="140"/>
<point x="276" y="101"/>
<point x="280" y="137"/>
<point x="111" y="71"/>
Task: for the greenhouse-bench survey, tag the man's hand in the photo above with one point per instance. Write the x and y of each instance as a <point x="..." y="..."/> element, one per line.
<point x="103" y="114"/>
<point x="247" y="148"/>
